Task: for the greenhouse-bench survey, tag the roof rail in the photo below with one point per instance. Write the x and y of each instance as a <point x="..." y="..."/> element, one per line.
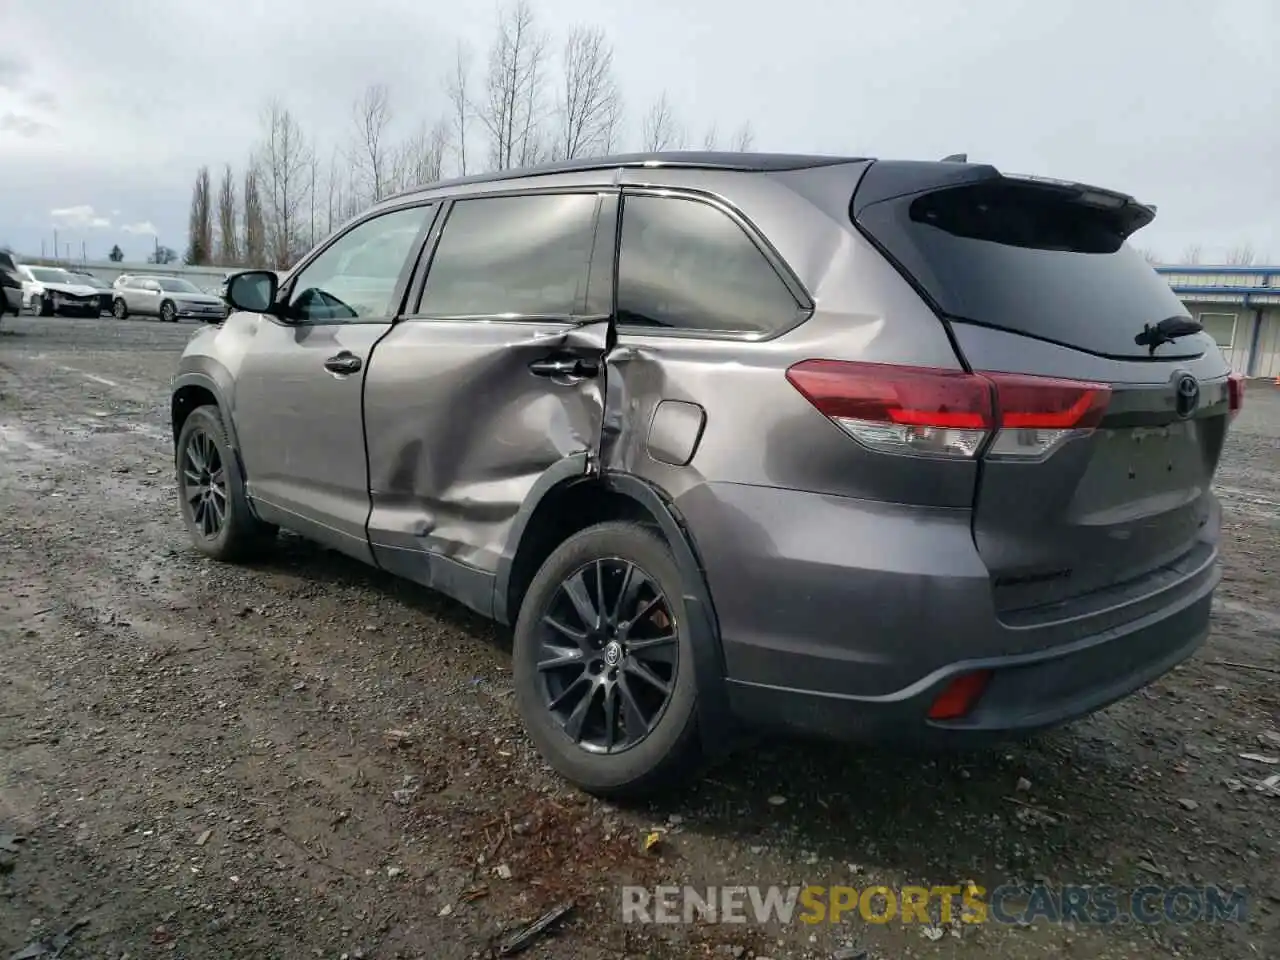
<point x="693" y="159"/>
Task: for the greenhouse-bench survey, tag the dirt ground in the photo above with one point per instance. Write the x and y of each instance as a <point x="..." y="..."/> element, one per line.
<point x="311" y="759"/>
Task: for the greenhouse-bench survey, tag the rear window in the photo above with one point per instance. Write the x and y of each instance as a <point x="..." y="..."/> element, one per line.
<point x="1032" y="260"/>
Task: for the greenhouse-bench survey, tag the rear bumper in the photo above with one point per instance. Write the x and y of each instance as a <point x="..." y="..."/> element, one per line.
<point x="847" y="618"/>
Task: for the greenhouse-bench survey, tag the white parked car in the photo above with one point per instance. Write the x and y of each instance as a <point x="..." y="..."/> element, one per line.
<point x="51" y="290"/>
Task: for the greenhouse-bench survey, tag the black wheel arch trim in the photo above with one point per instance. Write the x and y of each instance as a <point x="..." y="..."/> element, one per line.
<point x="212" y="376"/>
<point x="715" y="721"/>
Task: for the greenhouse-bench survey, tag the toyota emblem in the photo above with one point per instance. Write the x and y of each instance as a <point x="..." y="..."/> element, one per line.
<point x="1187" y="396"/>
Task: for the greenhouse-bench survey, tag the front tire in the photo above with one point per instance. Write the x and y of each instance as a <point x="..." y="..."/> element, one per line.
<point x="603" y="663"/>
<point x="118" y="309"/>
<point x="211" y="490"/>
<point x="168" y="312"/>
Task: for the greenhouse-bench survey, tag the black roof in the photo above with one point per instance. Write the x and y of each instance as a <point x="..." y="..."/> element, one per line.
<point x="689" y="159"/>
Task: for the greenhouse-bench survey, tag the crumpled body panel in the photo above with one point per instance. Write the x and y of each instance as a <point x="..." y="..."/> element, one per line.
<point x="449" y="479"/>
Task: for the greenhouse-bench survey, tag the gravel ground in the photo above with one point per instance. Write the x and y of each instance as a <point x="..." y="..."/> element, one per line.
<point x="311" y="759"/>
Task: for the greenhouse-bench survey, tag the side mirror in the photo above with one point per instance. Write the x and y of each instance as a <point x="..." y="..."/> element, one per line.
<point x="253" y="291"/>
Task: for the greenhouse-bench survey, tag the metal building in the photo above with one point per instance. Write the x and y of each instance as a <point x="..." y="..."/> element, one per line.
<point x="1240" y="307"/>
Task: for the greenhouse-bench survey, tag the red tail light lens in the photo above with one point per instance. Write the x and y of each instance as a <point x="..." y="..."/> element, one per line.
<point x="959" y="696"/>
<point x="924" y="410"/>
<point x="1235" y="393"/>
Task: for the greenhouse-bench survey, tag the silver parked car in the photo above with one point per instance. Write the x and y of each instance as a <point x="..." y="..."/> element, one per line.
<point x="913" y="451"/>
<point x="169" y="298"/>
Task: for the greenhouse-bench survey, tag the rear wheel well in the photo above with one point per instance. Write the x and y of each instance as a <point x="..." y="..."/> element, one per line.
<point x="564" y="511"/>
<point x="184" y="400"/>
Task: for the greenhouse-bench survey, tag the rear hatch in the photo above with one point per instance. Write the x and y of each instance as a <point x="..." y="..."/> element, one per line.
<point x="1035" y="277"/>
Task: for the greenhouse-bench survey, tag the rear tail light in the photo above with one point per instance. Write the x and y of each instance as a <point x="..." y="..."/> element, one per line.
<point x="950" y="413"/>
<point x="1235" y="393"/>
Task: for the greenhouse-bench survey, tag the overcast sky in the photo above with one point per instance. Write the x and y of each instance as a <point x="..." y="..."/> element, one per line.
<point x="107" y="109"/>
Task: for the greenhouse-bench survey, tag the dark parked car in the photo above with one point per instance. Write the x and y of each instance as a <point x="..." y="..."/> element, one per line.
<point x="10" y="286"/>
<point x="904" y="451"/>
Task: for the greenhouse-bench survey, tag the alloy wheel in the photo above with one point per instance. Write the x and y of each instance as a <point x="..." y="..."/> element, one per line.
<point x="607" y="653"/>
<point x="204" y="484"/>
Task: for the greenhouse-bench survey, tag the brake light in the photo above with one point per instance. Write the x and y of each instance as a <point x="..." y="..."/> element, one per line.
<point x="951" y="413"/>
<point x="1235" y="393"/>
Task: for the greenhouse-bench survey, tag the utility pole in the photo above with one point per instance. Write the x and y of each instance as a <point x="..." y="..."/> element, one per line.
<point x="55" y="245"/>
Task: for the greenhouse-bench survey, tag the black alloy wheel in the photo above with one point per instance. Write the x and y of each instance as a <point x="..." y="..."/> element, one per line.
<point x="607" y="655"/>
<point x="204" y="484"/>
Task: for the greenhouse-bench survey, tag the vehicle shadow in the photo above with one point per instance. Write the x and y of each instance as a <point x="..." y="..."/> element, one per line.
<point x="1053" y="806"/>
<point x="298" y="557"/>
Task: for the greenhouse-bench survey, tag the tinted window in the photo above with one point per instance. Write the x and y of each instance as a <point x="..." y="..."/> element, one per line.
<point x="356" y="275"/>
<point x="525" y="255"/>
<point x="1032" y="260"/>
<point x="52" y="275"/>
<point x="178" y="285"/>
<point x="687" y="265"/>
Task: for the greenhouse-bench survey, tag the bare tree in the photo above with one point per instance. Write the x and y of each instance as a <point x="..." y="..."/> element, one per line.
<point x="200" y="226"/>
<point x="372" y="117"/>
<point x="458" y="85"/>
<point x="1241" y="255"/>
<point x="744" y="139"/>
<point x="228" y="240"/>
<point x="659" y="130"/>
<point x="1149" y="255"/>
<point x="420" y="159"/>
<point x="1191" y="255"/>
<point x="285" y="155"/>
<point x="513" y="102"/>
<point x="711" y="140"/>
<point x="588" y="95"/>
<point x="333" y="189"/>
<point x="254" y="247"/>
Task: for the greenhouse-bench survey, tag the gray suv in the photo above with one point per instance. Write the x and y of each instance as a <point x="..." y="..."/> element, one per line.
<point x="872" y="449"/>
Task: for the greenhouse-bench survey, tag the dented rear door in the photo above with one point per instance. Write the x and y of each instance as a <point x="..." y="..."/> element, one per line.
<point x="490" y="385"/>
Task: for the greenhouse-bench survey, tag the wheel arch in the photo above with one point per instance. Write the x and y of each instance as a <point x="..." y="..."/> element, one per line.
<point x="194" y="388"/>
<point x="568" y="499"/>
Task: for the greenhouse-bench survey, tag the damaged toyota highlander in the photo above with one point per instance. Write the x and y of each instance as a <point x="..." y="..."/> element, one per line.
<point x="878" y="450"/>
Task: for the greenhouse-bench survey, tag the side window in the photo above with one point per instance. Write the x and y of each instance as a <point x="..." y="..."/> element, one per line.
<point x="356" y="275"/>
<point x="150" y="286"/>
<point x="686" y="265"/>
<point x="528" y="255"/>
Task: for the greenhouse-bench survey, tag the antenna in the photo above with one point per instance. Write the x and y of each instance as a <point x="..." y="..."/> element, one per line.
<point x="956" y="158"/>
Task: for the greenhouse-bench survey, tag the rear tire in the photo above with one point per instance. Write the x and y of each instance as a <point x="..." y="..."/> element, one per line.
<point x="168" y="312"/>
<point x="653" y="747"/>
<point x="119" y="310"/>
<point x="211" y="491"/>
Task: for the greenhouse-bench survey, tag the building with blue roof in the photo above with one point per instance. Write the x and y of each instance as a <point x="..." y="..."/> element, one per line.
<point x="1239" y="307"/>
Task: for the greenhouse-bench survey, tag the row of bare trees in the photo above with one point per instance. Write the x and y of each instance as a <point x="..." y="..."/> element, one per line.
<point x="526" y="106"/>
<point x="1241" y="255"/>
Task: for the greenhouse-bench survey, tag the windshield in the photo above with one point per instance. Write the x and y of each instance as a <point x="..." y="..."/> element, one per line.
<point x="176" y="285"/>
<point x="51" y="275"/>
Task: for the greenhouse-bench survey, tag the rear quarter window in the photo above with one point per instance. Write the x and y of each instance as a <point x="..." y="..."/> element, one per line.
<point x="686" y="265"/>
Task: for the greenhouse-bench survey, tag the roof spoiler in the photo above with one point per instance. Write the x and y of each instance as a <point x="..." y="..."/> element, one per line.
<point x="892" y="179"/>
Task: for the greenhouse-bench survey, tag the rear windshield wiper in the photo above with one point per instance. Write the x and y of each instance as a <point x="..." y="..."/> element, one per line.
<point x="1166" y="331"/>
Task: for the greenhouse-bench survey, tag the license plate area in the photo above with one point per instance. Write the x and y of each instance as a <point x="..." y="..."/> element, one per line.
<point x="1159" y="466"/>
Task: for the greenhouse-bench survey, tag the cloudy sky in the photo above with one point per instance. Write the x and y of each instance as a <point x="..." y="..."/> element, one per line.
<point x="107" y="109"/>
